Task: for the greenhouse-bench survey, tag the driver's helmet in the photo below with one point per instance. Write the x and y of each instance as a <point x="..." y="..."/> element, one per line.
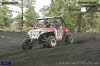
<point x="57" y="24"/>
<point x="47" y="24"/>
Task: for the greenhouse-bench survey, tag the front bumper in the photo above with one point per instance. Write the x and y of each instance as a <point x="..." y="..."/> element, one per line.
<point x="34" y="36"/>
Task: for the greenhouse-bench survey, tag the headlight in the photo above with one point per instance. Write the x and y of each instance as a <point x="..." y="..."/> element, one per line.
<point x="41" y="32"/>
<point x="29" y="32"/>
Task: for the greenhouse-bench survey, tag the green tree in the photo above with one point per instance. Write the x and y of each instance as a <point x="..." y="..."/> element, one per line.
<point x="68" y="10"/>
<point x="72" y="15"/>
<point x="5" y="17"/>
<point x="90" y="22"/>
<point x="30" y="14"/>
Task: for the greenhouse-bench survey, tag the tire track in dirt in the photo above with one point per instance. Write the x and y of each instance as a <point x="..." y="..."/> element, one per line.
<point x="11" y="42"/>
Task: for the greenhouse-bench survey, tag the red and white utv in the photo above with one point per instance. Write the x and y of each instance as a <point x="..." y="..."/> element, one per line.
<point x="48" y="31"/>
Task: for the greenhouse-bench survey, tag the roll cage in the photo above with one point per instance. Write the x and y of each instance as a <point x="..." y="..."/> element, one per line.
<point x="51" y="18"/>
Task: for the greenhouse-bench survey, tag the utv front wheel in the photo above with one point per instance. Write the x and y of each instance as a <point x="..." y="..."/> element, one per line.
<point x="51" y="42"/>
<point x="27" y="44"/>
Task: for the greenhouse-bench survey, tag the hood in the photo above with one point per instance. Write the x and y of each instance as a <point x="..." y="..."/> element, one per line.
<point x="42" y="29"/>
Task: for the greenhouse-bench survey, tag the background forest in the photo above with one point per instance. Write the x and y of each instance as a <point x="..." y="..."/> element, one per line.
<point x="71" y="11"/>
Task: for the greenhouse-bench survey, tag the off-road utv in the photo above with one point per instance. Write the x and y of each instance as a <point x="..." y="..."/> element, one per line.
<point x="48" y="31"/>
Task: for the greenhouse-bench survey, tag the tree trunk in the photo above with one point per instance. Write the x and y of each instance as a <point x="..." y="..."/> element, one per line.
<point x="79" y="23"/>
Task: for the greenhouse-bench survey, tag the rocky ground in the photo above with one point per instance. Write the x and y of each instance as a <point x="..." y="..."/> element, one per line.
<point x="84" y="53"/>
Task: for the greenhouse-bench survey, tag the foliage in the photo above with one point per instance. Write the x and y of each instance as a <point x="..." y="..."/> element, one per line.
<point x="5" y="17"/>
<point x="30" y="14"/>
<point x="70" y="11"/>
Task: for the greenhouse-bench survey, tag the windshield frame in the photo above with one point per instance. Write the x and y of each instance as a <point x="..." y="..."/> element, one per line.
<point x="39" y="20"/>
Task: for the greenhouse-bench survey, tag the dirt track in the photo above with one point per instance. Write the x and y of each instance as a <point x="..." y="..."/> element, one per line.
<point x="86" y="53"/>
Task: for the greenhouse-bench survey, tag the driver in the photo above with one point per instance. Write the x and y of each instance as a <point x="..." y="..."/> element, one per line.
<point x="47" y="24"/>
<point x="56" y="24"/>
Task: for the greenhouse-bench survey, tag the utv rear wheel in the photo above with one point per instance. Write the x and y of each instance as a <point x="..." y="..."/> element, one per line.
<point x="51" y="42"/>
<point x="69" y="39"/>
<point x="27" y="44"/>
